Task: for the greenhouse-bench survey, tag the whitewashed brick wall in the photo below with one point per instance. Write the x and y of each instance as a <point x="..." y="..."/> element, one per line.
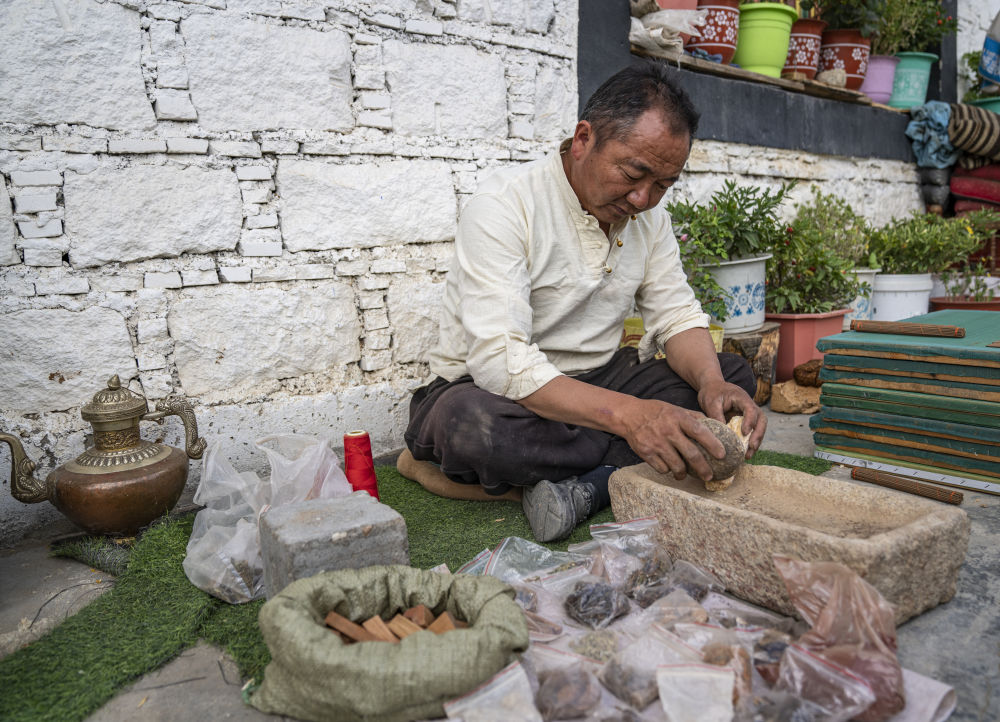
<point x="252" y="202"/>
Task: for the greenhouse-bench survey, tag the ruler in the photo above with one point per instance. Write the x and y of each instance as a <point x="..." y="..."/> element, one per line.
<point x="927" y="473"/>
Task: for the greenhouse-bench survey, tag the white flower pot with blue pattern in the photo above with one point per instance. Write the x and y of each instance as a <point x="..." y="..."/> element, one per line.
<point x="861" y="306"/>
<point x="743" y="281"/>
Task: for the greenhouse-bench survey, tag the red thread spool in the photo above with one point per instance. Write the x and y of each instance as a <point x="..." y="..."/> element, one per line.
<point x="358" y="463"/>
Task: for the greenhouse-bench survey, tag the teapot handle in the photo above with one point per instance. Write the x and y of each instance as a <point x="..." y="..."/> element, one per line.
<point x="176" y="406"/>
<point x="23" y="485"/>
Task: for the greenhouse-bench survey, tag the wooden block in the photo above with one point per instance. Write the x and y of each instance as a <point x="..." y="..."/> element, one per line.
<point x="379" y="630"/>
<point x="420" y="615"/>
<point x="444" y="623"/>
<point x="402" y="627"/>
<point x="346" y="628"/>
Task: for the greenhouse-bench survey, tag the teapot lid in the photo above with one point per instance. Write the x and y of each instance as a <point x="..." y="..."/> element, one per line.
<point x="114" y="403"/>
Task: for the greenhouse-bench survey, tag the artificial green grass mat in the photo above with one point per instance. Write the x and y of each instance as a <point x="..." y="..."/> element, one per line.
<point x="153" y="613"/>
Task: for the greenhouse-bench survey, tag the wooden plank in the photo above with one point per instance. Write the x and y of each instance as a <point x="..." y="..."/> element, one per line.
<point x="402" y="627"/>
<point x="911" y="441"/>
<point x="914" y="369"/>
<point x="683" y="60"/>
<point x="916" y="425"/>
<point x="982" y="328"/>
<point x="941" y="388"/>
<point x="832" y="401"/>
<point x="346" y="628"/>
<point x="920" y="456"/>
<point x="950" y="360"/>
<point x="420" y="615"/>
<point x="378" y="628"/>
<point x="899" y="399"/>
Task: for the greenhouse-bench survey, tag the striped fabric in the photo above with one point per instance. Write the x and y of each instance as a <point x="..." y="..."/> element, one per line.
<point x="975" y="130"/>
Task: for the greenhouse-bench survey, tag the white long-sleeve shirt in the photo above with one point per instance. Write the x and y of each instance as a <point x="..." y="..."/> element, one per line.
<point x="536" y="289"/>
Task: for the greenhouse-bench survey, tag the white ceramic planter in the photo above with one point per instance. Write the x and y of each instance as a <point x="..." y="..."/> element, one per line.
<point x="743" y="281"/>
<point x="861" y="306"/>
<point x="992" y="283"/>
<point x="901" y="295"/>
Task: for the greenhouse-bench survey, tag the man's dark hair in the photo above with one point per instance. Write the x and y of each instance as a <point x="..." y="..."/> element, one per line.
<point x="615" y="106"/>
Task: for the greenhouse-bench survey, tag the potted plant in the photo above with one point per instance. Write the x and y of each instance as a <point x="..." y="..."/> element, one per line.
<point x="968" y="287"/>
<point x="725" y="244"/>
<point x="846" y="44"/>
<point x="809" y="289"/>
<point x="720" y="29"/>
<point x="910" y="250"/>
<point x="922" y="25"/>
<point x="802" y="60"/>
<point x="976" y="94"/>
<point x="765" y="29"/>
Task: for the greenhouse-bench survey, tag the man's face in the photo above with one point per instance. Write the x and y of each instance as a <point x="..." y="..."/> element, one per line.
<point x="624" y="177"/>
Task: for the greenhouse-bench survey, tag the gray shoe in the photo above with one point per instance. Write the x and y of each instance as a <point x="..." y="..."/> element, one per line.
<point x="554" y="509"/>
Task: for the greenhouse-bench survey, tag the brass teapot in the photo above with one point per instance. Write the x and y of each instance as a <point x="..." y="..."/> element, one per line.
<point x="122" y="483"/>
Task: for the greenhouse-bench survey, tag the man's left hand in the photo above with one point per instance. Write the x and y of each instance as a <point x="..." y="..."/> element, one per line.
<point x="719" y="400"/>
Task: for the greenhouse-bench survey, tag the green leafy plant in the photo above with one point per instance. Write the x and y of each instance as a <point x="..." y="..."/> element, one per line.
<point x="977" y="83"/>
<point x="910" y="25"/>
<point x="862" y="15"/>
<point x="967" y="282"/>
<point x="806" y="276"/>
<point x="831" y="221"/>
<point x="931" y="24"/>
<point x="929" y="243"/>
<point x="736" y="222"/>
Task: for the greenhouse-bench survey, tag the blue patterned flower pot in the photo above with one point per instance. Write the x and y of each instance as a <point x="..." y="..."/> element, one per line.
<point x="861" y="306"/>
<point x="743" y="281"/>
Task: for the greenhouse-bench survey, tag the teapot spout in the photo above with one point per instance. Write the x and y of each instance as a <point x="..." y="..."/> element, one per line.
<point x="23" y="485"/>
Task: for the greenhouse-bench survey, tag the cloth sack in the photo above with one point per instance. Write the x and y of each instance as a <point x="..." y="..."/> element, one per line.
<point x="313" y="675"/>
<point x="975" y="130"/>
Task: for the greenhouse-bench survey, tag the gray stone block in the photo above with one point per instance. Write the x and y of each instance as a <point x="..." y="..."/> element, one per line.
<point x="348" y="532"/>
<point x="908" y="548"/>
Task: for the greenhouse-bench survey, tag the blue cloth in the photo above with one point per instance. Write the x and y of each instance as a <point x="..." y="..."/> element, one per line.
<point x="928" y="130"/>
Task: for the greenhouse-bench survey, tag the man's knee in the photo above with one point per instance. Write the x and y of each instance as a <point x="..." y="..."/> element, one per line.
<point x="736" y="370"/>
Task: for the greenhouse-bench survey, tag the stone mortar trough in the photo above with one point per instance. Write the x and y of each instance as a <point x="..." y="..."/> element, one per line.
<point x="908" y="548"/>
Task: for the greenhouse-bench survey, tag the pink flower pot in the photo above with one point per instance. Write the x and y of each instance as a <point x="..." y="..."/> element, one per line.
<point x="721" y="28"/>
<point x="803" y="49"/>
<point x="879" y="78"/>
<point x="798" y="335"/>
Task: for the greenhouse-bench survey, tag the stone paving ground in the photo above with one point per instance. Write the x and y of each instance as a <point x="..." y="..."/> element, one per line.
<point x="957" y="643"/>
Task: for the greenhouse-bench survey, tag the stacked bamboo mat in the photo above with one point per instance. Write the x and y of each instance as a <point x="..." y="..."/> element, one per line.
<point x="925" y="407"/>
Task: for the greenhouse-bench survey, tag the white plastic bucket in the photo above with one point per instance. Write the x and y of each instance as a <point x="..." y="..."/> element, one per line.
<point x="901" y="295"/>
<point x="743" y="281"/>
<point x="861" y="306"/>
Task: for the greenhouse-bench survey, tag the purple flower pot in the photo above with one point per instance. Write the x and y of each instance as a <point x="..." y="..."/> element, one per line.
<point x="879" y="78"/>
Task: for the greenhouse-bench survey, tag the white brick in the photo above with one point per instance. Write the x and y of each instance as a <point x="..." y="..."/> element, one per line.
<point x="19" y="287"/>
<point x="251" y="76"/>
<point x="236" y="148"/>
<point x="167" y="279"/>
<point x="374" y="100"/>
<point x="315" y="271"/>
<point x="375" y="360"/>
<point x="465" y="182"/>
<point x="74" y="144"/>
<point x="200" y="278"/>
<point x="404" y="202"/>
<point x="370" y="283"/>
<point x="234" y="274"/>
<point x="250" y="185"/>
<point x="257" y="246"/>
<point x="386" y="21"/>
<point x="302" y="11"/>
<point x="36" y="178"/>
<point x="378" y="340"/>
<point x="376" y="119"/>
<point x="264" y="220"/>
<point x="424" y="27"/>
<point x="149" y="211"/>
<point x="149" y="330"/>
<point x="24" y="203"/>
<point x="116" y="283"/>
<point x="388" y="265"/>
<point x="349" y="20"/>
<point x="165" y="12"/>
<point x="137" y="145"/>
<point x="373" y="147"/>
<point x="368" y="78"/>
<point x="148" y="361"/>
<point x="256" y="195"/>
<point x="270" y="8"/>
<point x="261" y="333"/>
<point x="352" y="268"/>
<point x="272" y="275"/>
<point x="371" y="299"/>
<point x="522" y="129"/>
<point x="279" y="146"/>
<point x="164" y="40"/>
<point x="174" y="105"/>
<point x="13" y="141"/>
<point x="370" y="55"/>
<point x="42" y="257"/>
<point x="197" y="146"/>
<point x="171" y="75"/>
<point x="429" y="98"/>
<point x="367" y="39"/>
<point x="325" y="147"/>
<point x="253" y="172"/>
<point x="88" y="72"/>
<point x="61" y="284"/>
<point x="413" y="304"/>
<point x="50" y="229"/>
<point x="156" y="384"/>
<point x="375" y="319"/>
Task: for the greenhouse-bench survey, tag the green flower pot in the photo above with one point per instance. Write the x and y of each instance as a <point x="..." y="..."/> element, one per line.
<point x="987" y="103"/>
<point x="912" y="76"/>
<point x="765" y="29"/>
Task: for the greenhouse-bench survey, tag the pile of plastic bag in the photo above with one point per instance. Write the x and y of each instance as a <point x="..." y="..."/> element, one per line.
<point x="621" y="632"/>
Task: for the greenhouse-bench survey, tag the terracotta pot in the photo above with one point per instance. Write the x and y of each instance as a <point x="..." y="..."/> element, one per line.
<point x="803" y="49"/>
<point x="939" y="303"/>
<point x="848" y="50"/>
<point x="721" y="28"/>
<point x="798" y="335"/>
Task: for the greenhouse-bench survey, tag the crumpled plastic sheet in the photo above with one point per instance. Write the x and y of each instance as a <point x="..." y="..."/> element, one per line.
<point x="928" y="131"/>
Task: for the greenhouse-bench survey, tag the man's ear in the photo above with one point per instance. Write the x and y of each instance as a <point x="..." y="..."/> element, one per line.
<point x="583" y="139"/>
